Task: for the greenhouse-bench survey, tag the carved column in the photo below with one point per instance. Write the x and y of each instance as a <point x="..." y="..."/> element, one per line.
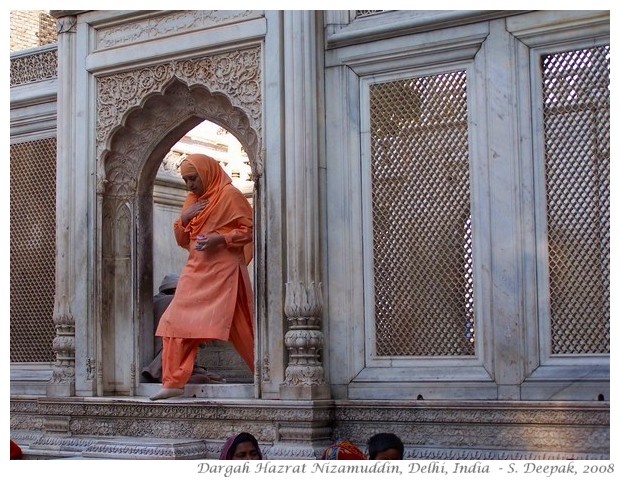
<point x="304" y="375"/>
<point x="62" y="383"/>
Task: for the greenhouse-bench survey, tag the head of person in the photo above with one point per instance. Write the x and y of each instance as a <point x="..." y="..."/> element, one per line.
<point x="242" y="446"/>
<point x="169" y="284"/>
<point x="343" y="450"/>
<point x="385" y="446"/>
<point x="202" y="174"/>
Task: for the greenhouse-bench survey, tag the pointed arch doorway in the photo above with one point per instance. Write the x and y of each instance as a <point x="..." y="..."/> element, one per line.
<point x="137" y="147"/>
<point x="219" y="358"/>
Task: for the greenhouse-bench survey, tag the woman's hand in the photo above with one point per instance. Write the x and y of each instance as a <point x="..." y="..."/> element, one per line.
<point x="193" y="210"/>
<point x="210" y="242"/>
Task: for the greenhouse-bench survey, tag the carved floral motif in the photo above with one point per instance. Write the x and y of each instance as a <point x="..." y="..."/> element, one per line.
<point x="34" y="67"/>
<point x="63" y="369"/>
<point x="304" y="339"/>
<point x="234" y="75"/>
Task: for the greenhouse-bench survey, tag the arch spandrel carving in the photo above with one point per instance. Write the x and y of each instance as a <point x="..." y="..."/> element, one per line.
<point x="162" y="114"/>
<point x="138" y="105"/>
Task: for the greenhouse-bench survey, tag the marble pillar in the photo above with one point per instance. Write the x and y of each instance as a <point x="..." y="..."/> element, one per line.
<point x="62" y="383"/>
<point x="304" y="374"/>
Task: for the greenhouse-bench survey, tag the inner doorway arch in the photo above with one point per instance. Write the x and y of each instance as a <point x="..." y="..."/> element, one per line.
<point x="219" y="358"/>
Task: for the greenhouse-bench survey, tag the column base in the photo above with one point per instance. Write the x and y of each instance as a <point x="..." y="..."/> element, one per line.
<point x="305" y="392"/>
<point x="60" y="390"/>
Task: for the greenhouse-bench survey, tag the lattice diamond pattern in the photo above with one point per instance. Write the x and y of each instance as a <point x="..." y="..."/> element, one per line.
<point x="33" y="249"/>
<point x="576" y="94"/>
<point x="424" y="302"/>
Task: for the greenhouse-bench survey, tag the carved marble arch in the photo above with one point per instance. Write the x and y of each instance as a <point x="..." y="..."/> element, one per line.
<point x="136" y="149"/>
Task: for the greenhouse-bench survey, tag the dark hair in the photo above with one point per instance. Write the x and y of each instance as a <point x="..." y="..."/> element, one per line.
<point x="382" y="442"/>
<point x="243" y="437"/>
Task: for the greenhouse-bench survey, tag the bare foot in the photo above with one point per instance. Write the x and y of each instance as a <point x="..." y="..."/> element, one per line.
<point x="167" y="393"/>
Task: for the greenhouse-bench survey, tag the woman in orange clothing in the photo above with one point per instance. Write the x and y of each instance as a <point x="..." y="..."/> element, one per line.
<point x="213" y="299"/>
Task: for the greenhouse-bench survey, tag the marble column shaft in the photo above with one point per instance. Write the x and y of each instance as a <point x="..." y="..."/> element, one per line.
<point x="304" y="375"/>
<point x="62" y="383"/>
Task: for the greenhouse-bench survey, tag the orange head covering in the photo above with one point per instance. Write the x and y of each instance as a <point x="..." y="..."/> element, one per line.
<point x="343" y="450"/>
<point x="225" y="202"/>
<point x="187" y="168"/>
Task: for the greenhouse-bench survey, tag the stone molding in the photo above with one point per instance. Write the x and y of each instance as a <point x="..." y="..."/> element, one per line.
<point x="485" y="454"/>
<point x="476" y="412"/>
<point x="293" y="452"/>
<point x="530" y="430"/>
<point x="119" y="428"/>
<point x="66" y="24"/>
<point x="350" y="30"/>
<point x="166" y="25"/>
<point x="68" y="444"/>
<point x="160" y="450"/>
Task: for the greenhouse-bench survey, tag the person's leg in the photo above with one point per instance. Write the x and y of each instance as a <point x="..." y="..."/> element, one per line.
<point x="178" y="361"/>
<point x="178" y="355"/>
<point x="242" y="329"/>
<point x="242" y="338"/>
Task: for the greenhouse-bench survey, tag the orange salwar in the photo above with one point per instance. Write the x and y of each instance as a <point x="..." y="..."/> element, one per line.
<point x="179" y="354"/>
<point x="177" y="361"/>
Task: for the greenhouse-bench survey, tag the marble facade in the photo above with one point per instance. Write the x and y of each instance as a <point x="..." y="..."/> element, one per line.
<point x="291" y="86"/>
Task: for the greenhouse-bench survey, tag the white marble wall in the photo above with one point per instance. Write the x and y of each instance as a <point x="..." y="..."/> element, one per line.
<point x="313" y="210"/>
<point x="510" y="361"/>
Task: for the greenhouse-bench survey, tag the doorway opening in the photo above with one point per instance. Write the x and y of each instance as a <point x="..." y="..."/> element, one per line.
<point x="218" y="358"/>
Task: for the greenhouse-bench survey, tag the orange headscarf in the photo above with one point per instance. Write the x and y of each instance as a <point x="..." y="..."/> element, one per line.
<point x="343" y="450"/>
<point x="225" y="202"/>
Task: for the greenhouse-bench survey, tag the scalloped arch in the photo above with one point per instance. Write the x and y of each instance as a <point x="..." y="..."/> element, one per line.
<point x="161" y="121"/>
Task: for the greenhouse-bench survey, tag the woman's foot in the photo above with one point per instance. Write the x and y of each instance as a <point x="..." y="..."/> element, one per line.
<point x="167" y="393"/>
